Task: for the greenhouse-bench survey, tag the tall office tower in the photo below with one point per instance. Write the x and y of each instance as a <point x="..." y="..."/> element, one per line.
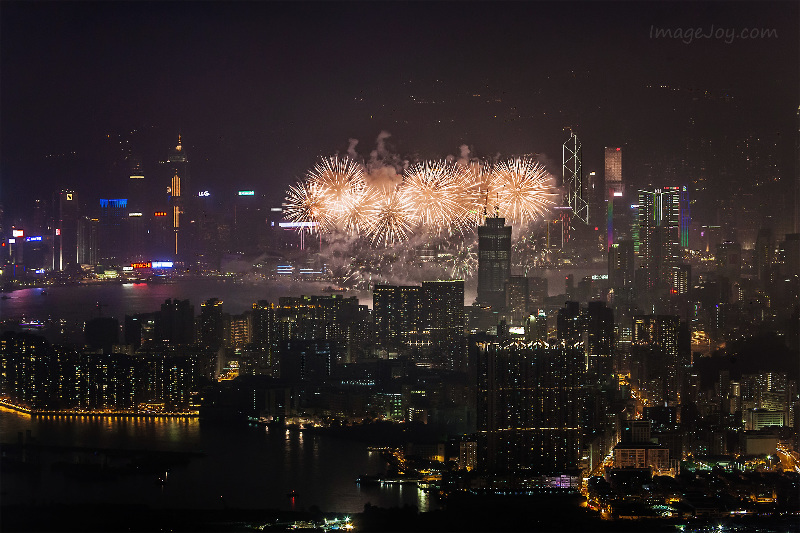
<point x="136" y="186"/>
<point x="684" y="206"/>
<point x="729" y="260"/>
<point x="494" y="261"/>
<point x="517" y="299"/>
<point x="113" y="226"/>
<point x="443" y="311"/>
<point x="39" y="217"/>
<point x="659" y="225"/>
<point x="569" y="322"/>
<point x="175" y="323"/>
<point x="88" y="240"/>
<point x="530" y="404"/>
<point x="65" y="230"/>
<point x="211" y="330"/>
<point x="655" y="355"/>
<point x="621" y="265"/>
<point x="613" y="186"/>
<point x="178" y="164"/>
<point x="599" y="344"/>
<point x="764" y="256"/>
<point x="572" y="175"/>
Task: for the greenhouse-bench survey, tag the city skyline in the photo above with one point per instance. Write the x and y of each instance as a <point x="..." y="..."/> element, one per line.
<point x="258" y="101"/>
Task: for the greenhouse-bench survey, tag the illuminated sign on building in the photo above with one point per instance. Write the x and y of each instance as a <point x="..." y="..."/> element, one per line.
<point x="69" y="196"/>
<point x="134" y="214"/>
<point x="12" y="241"/>
<point x="137" y="177"/>
<point x="516" y="330"/>
<point x="247" y="193"/>
<point x="17" y="233"/>
<point x="204" y="193"/>
<point x="143" y="264"/>
<point x="37" y="238"/>
<point x="600" y="276"/>
<point x="297" y="224"/>
<point x="160" y="214"/>
<point x="58" y="231"/>
<point x="161" y="264"/>
<point x="127" y="269"/>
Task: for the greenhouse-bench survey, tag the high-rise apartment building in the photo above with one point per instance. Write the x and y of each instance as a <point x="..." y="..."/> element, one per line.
<point x="494" y="261"/>
<point x="656" y="357"/>
<point x="530" y="403"/>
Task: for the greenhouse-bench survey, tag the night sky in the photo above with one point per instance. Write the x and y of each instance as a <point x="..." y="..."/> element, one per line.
<point x="260" y="89"/>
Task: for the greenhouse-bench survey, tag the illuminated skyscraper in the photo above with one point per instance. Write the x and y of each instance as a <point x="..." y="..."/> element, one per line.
<point x="178" y="164"/>
<point x="113" y="223"/>
<point x="659" y="229"/>
<point x="494" y="261"/>
<point x="613" y="186"/>
<point x="65" y="230"/>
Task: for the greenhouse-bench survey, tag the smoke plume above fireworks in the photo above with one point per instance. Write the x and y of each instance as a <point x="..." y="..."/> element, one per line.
<point x="386" y="200"/>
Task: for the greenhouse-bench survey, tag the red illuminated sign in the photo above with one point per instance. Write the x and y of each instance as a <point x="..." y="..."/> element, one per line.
<point x="146" y="264"/>
<point x="58" y="231"/>
<point x="160" y="213"/>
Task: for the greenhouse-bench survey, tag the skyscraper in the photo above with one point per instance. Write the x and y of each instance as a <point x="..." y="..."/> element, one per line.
<point x="621" y="265"/>
<point x="211" y="330"/>
<point x="572" y="174"/>
<point x="178" y="165"/>
<point x="599" y="345"/>
<point x="494" y="261"/>
<point x="530" y="403"/>
<point x="659" y="228"/>
<point x="65" y="230"/>
<point x="113" y="218"/>
<point x="613" y="186"/>
<point x="655" y="353"/>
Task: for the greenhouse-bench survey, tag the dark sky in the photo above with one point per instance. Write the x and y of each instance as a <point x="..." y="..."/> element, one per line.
<point x="260" y="89"/>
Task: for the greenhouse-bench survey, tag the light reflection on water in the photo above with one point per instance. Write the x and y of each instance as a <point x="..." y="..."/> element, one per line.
<point x="245" y="467"/>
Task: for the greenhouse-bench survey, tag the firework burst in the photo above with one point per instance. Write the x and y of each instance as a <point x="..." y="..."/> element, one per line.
<point x="521" y="189"/>
<point x="435" y="197"/>
<point x="389" y="220"/>
<point x="435" y="193"/>
<point x="306" y="203"/>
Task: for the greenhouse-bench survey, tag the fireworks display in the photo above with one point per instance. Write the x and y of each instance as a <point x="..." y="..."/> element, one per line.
<point x="434" y="197"/>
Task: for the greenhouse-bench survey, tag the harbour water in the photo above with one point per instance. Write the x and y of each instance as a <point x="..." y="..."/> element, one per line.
<point x="246" y="467"/>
